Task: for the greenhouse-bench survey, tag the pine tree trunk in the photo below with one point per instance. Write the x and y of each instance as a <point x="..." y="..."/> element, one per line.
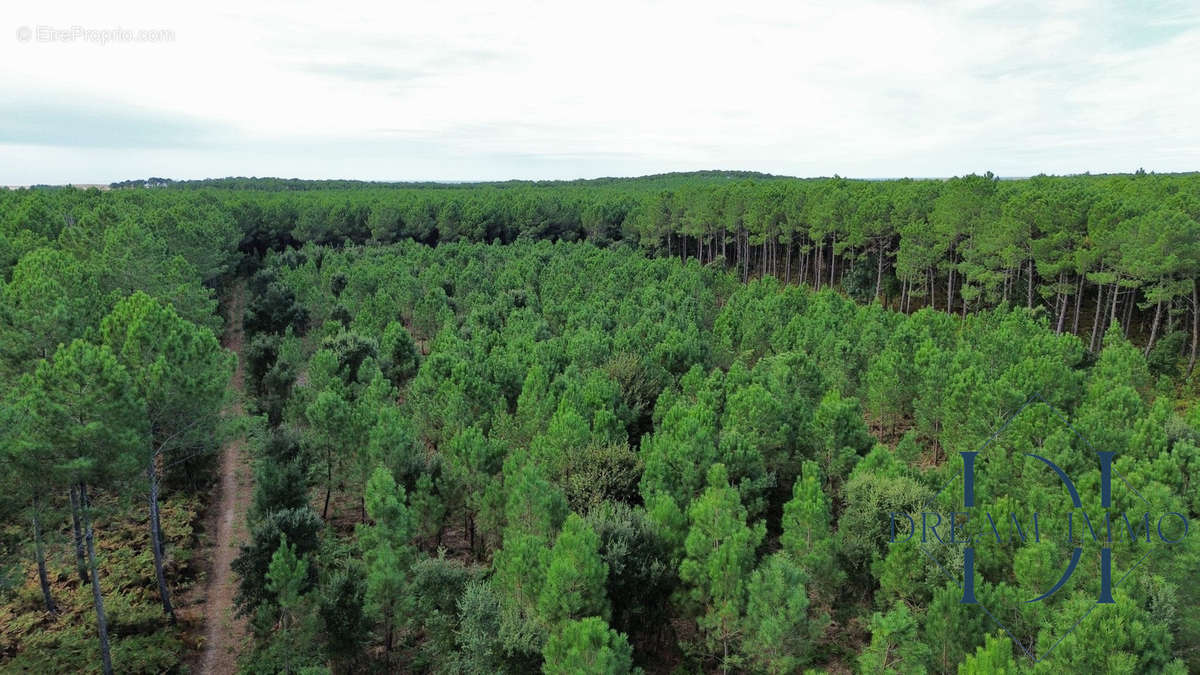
<point x="950" y="287"/>
<point x="1116" y="296"/>
<point x="1153" y="328"/>
<point x="818" y="265"/>
<point x="156" y="543"/>
<point x="80" y="561"/>
<point x="743" y="238"/>
<point x="878" y="270"/>
<point x="744" y="243"/>
<point x="736" y="260"/>
<point x="387" y="641"/>
<point x="1078" y="302"/>
<point x="1128" y="317"/>
<point x="1061" y="304"/>
<point x="328" y="484"/>
<point x="1096" y="319"/>
<point x="932" y="288"/>
<point x="97" y="597"/>
<point x="1029" y="294"/>
<point x="832" y="259"/>
<point x="1195" y="325"/>
<point x="470" y="528"/>
<point x="737" y="249"/>
<point x="40" y="555"/>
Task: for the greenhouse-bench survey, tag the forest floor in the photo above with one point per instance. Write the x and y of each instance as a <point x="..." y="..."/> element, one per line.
<point x="225" y="633"/>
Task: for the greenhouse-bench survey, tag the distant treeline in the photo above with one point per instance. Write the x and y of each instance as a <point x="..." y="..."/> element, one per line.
<point x="300" y="184"/>
<point x="1087" y="249"/>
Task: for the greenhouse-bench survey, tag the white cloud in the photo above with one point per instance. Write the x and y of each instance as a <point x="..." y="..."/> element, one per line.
<point x="549" y="89"/>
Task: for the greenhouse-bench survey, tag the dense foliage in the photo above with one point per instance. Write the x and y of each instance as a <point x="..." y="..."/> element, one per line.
<point x="113" y="386"/>
<point x="1086" y="250"/>
<point x="619" y="455"/>
<point x="602" y="426"/>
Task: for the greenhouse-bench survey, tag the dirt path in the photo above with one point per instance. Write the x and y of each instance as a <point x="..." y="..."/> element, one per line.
<point x="224" y="634"/>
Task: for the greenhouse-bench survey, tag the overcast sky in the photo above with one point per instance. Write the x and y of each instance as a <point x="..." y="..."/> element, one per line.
<point x="491" y="90"/>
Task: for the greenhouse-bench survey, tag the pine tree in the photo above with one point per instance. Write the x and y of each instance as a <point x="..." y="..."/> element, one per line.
<point x="387" y="553"/>
<point x="334" y="428"/>
<point x="895" y="645"/>
<point x="93" y="425"/>
<point x="995" y="657"/>
<point x="23" y="459"/>
<point x="576" y="575"/>
<point x="951" y="629"/>
<point x="534" y="510"/>
<point x="720" y="555"/>
<point x="778" y="633"/>
<point x="287" y="577"/>
<point x="587" y="646"/>
<point x="678" y="454"/>
<point x="428" y="511"/>
<point x="302" y="528"/>
<point x="49" y="299"/>
<point x="807" y="537"/>
<point x="472" y="462"/>
<point x="181" y="372"/>
<point x="842" y="436"/>
<point x="293" y="647"/>
<point x="398" y="354"/>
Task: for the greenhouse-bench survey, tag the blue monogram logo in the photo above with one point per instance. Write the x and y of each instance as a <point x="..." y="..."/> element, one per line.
<point x="956" y="528"/>
<point x="1106" y="458"/>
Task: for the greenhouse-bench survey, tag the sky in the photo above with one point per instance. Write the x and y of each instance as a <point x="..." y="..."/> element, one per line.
<point x="98" y="92"/>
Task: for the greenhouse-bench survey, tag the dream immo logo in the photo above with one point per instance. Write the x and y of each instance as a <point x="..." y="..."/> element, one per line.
<point x="1142" y="529"/>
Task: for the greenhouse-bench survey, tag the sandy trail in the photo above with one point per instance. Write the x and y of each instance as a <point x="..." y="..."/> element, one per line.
<point x="224" y="634"/>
